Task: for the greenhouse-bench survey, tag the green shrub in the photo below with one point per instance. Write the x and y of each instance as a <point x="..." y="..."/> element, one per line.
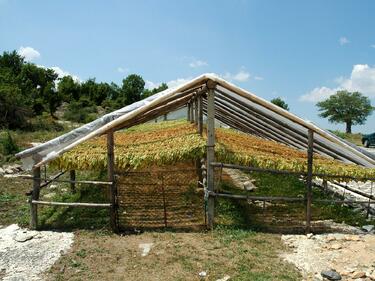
<point x="82" y="111"/>
<point x="44" y="122"/>
<point x="8" y="145"/>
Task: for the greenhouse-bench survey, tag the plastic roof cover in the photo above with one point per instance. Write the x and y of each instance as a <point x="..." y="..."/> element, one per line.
<point x="234" y="107"/>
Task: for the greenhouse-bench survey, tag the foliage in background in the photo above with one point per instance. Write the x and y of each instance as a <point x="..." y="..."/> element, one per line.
<point x="28" y="90"/>
<point x="346" y="107"/>
<point x="7" y="144"/>
<point x="353" y="138"/>
<point x="280" y="102"/>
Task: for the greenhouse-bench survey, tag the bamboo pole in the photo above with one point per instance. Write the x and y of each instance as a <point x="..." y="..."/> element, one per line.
<point x="68" y="204"/>
<point x="111" y="178"/>
<point x="35" y="196"/>
<point x="310" y="153"/>
<point x="210" y="152"/>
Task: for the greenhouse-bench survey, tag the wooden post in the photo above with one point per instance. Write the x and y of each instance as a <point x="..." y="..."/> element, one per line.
<point x="165" y="117"/>
<point x="191" y="112"/>
<point x="200" y="115"/>
<point x="72" y="178"/>
<point x="111" y="177"/>
<point x="196" y="110"/>
<point x="210" y="152"/>
<point x="310" y="153"/>
<point x="35" y="196"/>
<point x="188" y="112"/>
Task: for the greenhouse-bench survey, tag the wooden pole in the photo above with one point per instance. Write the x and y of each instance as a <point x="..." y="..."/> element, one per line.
<point x="310" y="153"/>
<point x="200" y="115"/>
<point x="196" y="111"/>
<point x="191" y="111"/>
<point x="35" y="196"/>
<point x="188" y="112"/>
<point x="72" y="178"/>
<point x="111" y="177"/>
<point x="210" y="153"/>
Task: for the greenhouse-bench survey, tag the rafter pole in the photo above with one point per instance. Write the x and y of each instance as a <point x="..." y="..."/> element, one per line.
<point x="210" y="152"/>
<point x="310" y="154"/>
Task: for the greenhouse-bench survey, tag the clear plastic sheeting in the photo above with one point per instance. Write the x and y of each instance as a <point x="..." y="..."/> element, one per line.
<point x="234" y="106"/>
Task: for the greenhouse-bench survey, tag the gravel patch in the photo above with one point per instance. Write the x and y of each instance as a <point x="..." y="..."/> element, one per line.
<point x="25" y="254"/>
<point x="350" y="255"/>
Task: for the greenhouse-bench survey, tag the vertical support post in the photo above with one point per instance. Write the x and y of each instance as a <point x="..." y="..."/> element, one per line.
<point x="72" y="178"/>
<point x="196" y="110"/>
<point x="111" y="177"/>
<point x="191" y="111"/>
<point x="188" y="112"/>
<point x="200" y="115"/>
<point x="35" y="196"/>
<point x="210" y="153"/>
<point x="310" y="153"/>
<point x="165" y="117"/>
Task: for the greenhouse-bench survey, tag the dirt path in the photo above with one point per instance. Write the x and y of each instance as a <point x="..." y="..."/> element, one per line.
<point x="24" y="254"/>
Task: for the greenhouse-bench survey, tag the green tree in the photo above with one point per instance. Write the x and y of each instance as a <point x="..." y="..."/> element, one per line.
<point x="132" y="89"/>
<point x="351" y="108"/>
<point x="69" y="89"/>
<point x="146" y="93"/>
<point x="280" y="102"/>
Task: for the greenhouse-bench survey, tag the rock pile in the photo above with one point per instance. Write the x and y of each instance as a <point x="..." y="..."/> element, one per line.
<point x="10" y="169"/>
<point x="333" y="256"/>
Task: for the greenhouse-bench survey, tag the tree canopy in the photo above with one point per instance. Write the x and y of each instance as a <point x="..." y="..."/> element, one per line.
<point x="351" y="108"/>
<point x="280" y="102"/>
<point x="28" y="91"/>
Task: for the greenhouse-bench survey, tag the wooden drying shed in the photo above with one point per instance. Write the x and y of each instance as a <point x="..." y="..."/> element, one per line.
<point x="215" y="98"/>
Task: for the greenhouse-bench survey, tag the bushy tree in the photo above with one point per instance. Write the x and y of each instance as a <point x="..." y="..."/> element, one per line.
<point x="132" y="89"/>
<point x="147" y="92"/>
<point x="280" y="102"/>
<point x="351" y="108"/>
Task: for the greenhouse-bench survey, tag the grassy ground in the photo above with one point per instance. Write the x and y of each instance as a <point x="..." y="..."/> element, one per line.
<point x="231" y="249"/>
<point x="290" y="217"/>
<point x="353" y="138"/>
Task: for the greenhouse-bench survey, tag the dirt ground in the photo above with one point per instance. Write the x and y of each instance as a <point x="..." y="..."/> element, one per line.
<point x="174" y="256"/>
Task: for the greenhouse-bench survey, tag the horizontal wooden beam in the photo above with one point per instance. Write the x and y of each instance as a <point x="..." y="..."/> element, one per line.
<point x="69" y="181"/>
<point x="66" y="204"/>
<point x="256" y="169"/>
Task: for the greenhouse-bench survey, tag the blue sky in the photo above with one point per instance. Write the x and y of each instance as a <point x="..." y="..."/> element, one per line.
<point x="301" y="51"/>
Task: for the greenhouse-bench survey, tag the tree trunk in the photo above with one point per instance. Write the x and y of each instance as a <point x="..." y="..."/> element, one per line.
<point x="349" y="127"/>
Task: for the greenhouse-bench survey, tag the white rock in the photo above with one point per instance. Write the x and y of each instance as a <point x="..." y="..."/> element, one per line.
<point x="202" y="274"/>
<point x="249" y="185"/>
<point x="146" y="247"/>
<point x="225" y="278"/>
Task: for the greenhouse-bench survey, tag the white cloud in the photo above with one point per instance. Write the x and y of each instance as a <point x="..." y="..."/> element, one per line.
<point x="362" y="79"/>
<point x="258" y="78"/>
<point x="318" y="94"/>
<point x="122" y="70"/>
<point x="171" y="84"/>
<point x="28" y="53"/>
<point x="240" y="76"/>
<point x="343" y="40"/>
<point x="197" y="63"/>
<point x="62" y="73"/>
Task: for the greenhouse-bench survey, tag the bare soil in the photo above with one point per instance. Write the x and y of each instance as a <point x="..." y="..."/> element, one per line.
<point x="174" y="256"/>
